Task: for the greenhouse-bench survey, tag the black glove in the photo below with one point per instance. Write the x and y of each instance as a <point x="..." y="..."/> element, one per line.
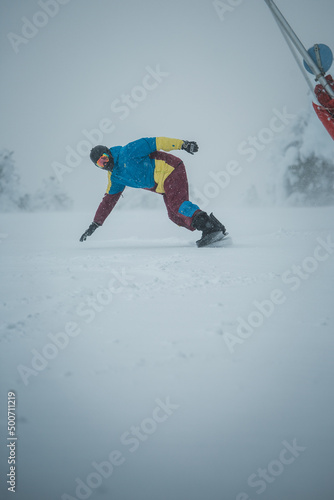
<point x="90" y="231"/>
<point x="190" y="146"/>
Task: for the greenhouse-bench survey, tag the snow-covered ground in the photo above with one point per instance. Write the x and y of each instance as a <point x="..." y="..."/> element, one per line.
<point x="145" y="368"/>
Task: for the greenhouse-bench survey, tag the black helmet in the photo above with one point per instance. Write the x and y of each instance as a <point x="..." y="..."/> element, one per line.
<point x="96" y="154"/>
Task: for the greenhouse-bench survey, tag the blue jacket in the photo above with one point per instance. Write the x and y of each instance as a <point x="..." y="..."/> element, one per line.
<point x="133" y="166"/>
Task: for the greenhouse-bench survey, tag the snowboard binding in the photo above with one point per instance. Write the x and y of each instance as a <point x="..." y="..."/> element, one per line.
<point x="212" y="230"/>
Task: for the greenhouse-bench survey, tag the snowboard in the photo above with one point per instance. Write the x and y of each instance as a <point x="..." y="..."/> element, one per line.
<point x="216" y="239"/>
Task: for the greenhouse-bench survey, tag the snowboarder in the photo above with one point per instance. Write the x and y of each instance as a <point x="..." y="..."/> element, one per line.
<point x="142" y="164"/>
<point x="323" y="97"/>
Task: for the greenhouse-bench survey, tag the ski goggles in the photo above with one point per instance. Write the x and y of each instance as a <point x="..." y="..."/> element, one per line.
<point x="103" y="161"/>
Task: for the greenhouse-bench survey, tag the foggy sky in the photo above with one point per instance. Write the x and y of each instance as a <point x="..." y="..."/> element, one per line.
<point x="222" y="78"/>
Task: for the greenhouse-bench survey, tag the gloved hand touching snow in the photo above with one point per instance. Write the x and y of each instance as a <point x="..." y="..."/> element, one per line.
<point x="90" y="231"/>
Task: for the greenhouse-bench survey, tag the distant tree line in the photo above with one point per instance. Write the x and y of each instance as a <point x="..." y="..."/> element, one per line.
<point x="49" y="196"/>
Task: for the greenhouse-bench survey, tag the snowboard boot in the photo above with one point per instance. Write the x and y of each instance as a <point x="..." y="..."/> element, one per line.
<point x="212" y="229"/>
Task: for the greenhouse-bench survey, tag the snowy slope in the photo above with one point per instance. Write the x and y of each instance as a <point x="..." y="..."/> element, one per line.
<point x="153" y="376"/>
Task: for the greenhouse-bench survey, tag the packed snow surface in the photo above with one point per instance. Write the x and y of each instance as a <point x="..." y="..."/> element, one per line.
<point x="145" y="368"/>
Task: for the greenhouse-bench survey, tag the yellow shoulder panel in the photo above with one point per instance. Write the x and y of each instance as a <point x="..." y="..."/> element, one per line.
<point x="167" y="144"/>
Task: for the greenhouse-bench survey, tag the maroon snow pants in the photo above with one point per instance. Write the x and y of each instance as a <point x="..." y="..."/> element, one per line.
<point x="176" y="190"/>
